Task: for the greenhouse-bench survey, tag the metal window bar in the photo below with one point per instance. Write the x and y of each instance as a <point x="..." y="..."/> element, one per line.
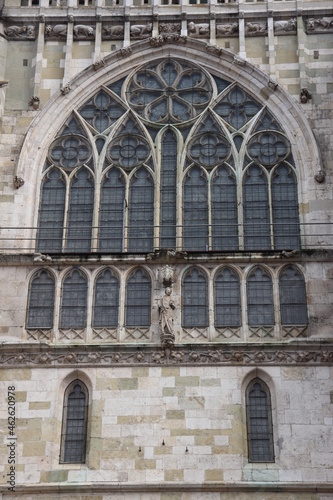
<point x="260" y="306"/>
<point x="106" y="301"/>
<point x="73" y="312"/>
<point x="138" y="300"/>
<point x="227" y="299"/>
<point x="41" y="301"/>
<point x="259" y="422"/>
<point x="195" y="300"/>
<point x="74" y="425"/>
<point x="292" y="298"/>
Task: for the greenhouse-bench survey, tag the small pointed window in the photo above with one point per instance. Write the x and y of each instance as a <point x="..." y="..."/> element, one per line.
<point x="41" y="301"/>
<point x="227" y="299"/>
<point x="260" y="307"/>
<point x="74" y="424"/>
<point x="292" y="297"/>
<point x="73" y="312"/>
<point x="195" y="299"/>
<point x="138" y="300"/>
<point x="259" y="422"/>
<point x="106" y="300"/>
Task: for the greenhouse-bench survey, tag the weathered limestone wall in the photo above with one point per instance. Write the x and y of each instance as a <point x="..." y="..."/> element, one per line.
<point x="173" y="424"/>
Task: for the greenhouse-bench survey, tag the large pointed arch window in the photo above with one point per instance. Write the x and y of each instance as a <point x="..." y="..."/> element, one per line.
<point x="169" y="156"/>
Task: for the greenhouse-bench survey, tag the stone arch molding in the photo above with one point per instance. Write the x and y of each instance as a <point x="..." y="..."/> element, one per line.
<point x="45" y="126"/>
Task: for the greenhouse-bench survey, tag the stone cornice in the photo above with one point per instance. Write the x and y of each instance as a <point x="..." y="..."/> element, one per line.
<point x="73" y="356"/>
<point x="178" y="487"/>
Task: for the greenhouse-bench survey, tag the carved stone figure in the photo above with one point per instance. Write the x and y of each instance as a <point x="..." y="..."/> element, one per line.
<point x="20" y="32"/>
<point x="100" y="63"/>
<point x="141" y="30"/>
<point x="166" y="306"/>
<point x="214" y="49"/>
<point x="289" y="25"/>
<point x="226" y="29"/>
<point x="125" y="52"/>
<point x="82" y="31"/>
<point x="311" y="24"/>
<point x="18" y="182"/>
<point x="57" y="31"/>
<point x="324" y="22"/>
<point x="169" y="28"/>
<point x="114" y="31"/>
<point x="255" y="28"/>
<point x="195" y="29"/>
<point x="65" y="90"/>
<point x="166" y="275"/>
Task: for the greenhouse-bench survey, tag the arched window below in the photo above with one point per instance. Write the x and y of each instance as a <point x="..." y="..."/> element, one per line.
<point x="106" y="300"/>
<point x="260" y="306"/>
<point x="292" y="297"/>
<point x="41" y="301"/>
<point x="74" y="424"/>
<point x="259" y="422"/>
<point x="227" y="299"/>
<point x="73" y="312"/>
<point x="138" y="300"/>
<point x="195" y="299"/>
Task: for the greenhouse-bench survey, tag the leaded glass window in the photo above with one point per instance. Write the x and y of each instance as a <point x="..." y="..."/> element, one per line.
<point x="168" y="190"/>
<point x="51" y="214"/>
<point x="195" y="299"/>
<point x="224" y="210"/>
<point x="80" y="212"/>
<point x="138" y="299"/>
<point x="285" y="209"/>
<point x="112" y="212"/>
<point x="256" y="210"/>
<point x="106" y="300"/>
<point x="259" y="422"/>
<point x="195" y="211"/>
<point x="74" y="424"/>
<point x="141" y="212"/>
<point x="41" y="301"/>
<point x="260" y="306"/>
<point x="227" y="299"/>
<point x="292" y="297"/>
<point x="169" y="156"/>
<point x="73" y="313"/>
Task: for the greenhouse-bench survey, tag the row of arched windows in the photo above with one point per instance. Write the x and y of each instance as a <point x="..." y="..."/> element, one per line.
<point x="195" y="299"/>
<point x="258" y="420"/>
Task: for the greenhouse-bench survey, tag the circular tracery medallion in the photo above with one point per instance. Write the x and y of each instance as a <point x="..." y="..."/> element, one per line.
<point x="169" y="91"/>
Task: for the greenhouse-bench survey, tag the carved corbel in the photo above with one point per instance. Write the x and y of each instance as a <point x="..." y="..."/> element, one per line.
<point x="320" y="176"/>
<point x="305" y="95"/>
<point x="18" y="182"/>
<point x="66" y="89"/>
<point x="34" y="102"/>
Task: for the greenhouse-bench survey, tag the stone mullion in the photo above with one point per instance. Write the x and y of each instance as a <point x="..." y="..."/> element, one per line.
<point x="276" y="304"/>
<point x="121" y="312"/>
<point x="68" y="56"/>
<point x="243" y="291"/>
<point x="211" y="309"/>
<point x="90" y="300"/>
<point x="241" y="34"/>
<point x="57" y="303"/>
<point x="271" y="47"/>
<point x="39" y="59"/>
<point x="98" y="40"/>
<point x="301" y="42"/>
<point x="212" y="23"/>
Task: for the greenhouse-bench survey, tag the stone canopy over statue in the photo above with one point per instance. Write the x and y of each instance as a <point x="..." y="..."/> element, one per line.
<point x="166" y="308"/>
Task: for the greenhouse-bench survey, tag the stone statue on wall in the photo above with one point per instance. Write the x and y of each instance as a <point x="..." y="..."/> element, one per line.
<point x="195" y="29"/>
<point x="114" y="32"/>
<point x="141" y="30"/>
<point x="320" y="24"/>
<point x="226" y="29"/>
<point x="21" y="32"/>
<point x="166" y="308"/>
<point x="256" y="28"/>
<point x="83" y="32"/>
<point x="285" y="26"/>
<point x="57" y="31"/>
<point x="169" y="28"/>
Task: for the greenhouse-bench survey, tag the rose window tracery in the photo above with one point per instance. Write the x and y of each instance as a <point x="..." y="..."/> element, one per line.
<point x="70" y="151"/>
<point x="169" y="92"/>
<point x="268" y="148"/>
<point x="128" y="151"/>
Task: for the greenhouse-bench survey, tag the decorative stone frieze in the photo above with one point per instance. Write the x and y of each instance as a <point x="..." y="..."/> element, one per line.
<point x="169" y="28"/>
<point x="83" y="32"/>
<point x="20" y="32"/>
<point x="256" y="28"/>
<point x="285" y="27"/>
<point x="125" y="52"/>
<point x="219" y="354"/>
<point x="99" y="64"/>
<point x="198" y="30"/>
<point x="56" y="32"/>
<point x="140" y="31"/>
<point x="226" y="29"/>
<point x="319" y="25"/>
<point x="113" y="32"/>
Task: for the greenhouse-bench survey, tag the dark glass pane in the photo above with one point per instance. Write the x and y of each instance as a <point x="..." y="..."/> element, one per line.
<point x="168" y="190"/>
<point x="106" y="301"/>
<point x="75" y="434"/>
<point x="141" y="212"/>
<point x="80" y="213"/>
<point x="259" y="423"/>
<point x="256" y="210"/>
<point x="224" y="210"/>
<point x="260" y="299"/>
<point x="292" y="298"/>
<point x="138" y="300"/>
<point x="51" y="214"/>
<point x="285" y="209"/>
<point x="41" y="301"/>
<point x="195" y="211"/>
<point x="111" y="215"/>
<point x="227" y="299"/>
<point x="195" y="300"/>
<point x="74" y="302"/>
